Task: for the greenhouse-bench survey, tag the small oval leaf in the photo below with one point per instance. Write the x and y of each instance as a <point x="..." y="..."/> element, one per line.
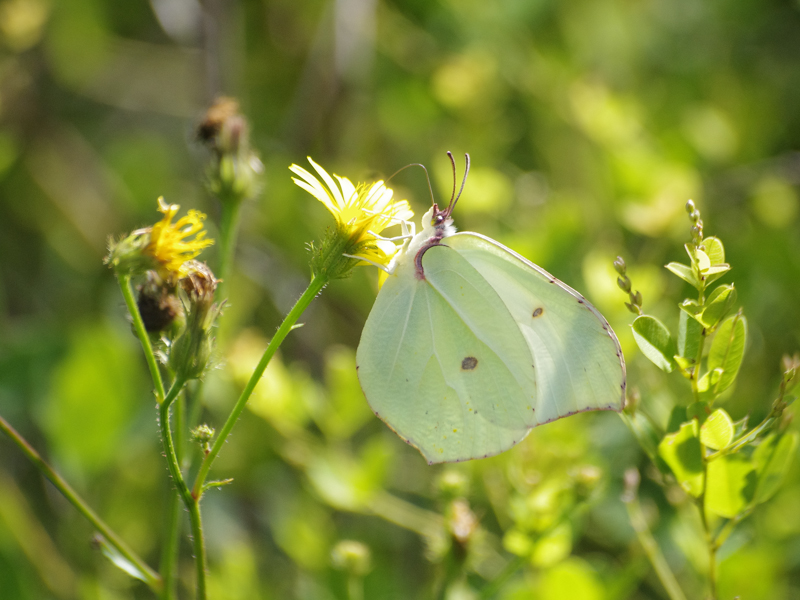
<point x="703" y="262"/>
<point x="654" y="341"/>
<point x="717" y="431"/>
<point x="715" y="250"/>
<point x="684" y="272"/>
<point x="689" y="334"/>
<point x="682" y="452"/>
<point x="773" y="458"/>
<point x="731" y="483"/>
<point x="727" y="350"/>
<point x="718" y="305"/>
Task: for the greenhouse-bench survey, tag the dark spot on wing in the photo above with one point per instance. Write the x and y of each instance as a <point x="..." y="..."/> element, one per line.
<point x="580" y="300"/>
<point x="469" y="363"/>
<point x="538" y="312"/>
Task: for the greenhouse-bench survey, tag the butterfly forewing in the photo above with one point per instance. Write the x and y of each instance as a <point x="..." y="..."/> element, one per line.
<point x="577" y="357"/>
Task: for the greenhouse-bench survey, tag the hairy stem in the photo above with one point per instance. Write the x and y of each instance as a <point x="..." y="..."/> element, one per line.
<point x="199" y="547"/>
<point x="302" y="303"/>
<point x="144" y="338"/>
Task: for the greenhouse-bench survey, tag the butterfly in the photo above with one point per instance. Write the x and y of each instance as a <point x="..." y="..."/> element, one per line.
<point x="469" y="345"/>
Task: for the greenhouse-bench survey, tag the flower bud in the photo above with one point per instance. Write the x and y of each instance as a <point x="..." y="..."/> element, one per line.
<point x="619" y="265"/>
<point x="235" y="170"/>
<point x="690" y="207"/>
<point x="461" y="521"/>
<point x="203" y="434"/>
<point x="159" y="304"/>
<point x="624" y="284"/>
<point x="190" y="354"/>
<point x="352" y="556"/>
<point x="586" y="480"/>
<point x="453" y="484"/>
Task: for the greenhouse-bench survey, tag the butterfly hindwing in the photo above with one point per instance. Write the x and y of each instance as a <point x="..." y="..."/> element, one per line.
<point x="578" y="359"/>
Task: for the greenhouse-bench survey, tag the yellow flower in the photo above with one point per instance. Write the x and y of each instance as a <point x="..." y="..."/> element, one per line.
<point x="360" y="211"/>
<point x="168" y="244"/>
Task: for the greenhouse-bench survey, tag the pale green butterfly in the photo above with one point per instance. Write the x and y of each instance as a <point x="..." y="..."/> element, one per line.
<point x="469" y="345"/>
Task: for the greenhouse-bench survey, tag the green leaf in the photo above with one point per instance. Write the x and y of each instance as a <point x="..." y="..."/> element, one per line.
<point x="731" y="483"/>
<point x="702" y="260"/>
<point x="709" y="380"/>
<point x="717" y="431"/>
<point x="689" y="334"/>
<point x="697" y="411"/>
<point x="676" y="418"/>
<point x="718" y="304"/>
<point x="715" y="272"/>
<point x="682" y="452"/>
<point x="654" y="341"/>
<point x="715" y="250"/>
<point x="692" y="308"/>
<point x="112" y="554"/>
<point x="740" y="427"/>
<point x="685" y="272"/>
<point x="727" y="350"/>
<point x="772" y="459"/>
<point x="554" y="546"/>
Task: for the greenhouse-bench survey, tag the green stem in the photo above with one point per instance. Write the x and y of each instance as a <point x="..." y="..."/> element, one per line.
<point x="498" y="582"/>
<point x="355" y="587"/>
<point x="302" y="303"/>
<point x="228" y="233"/>
<point x="144" y="338"/>
<point x="711" y="544"/>
<point x="199" y="547"/>
<point x="152" y="579"/>
<point x="169" y="557"/>
<point x="651" y="548"/>
<point x="169" y="445"/>
<point x="192" y="502"/>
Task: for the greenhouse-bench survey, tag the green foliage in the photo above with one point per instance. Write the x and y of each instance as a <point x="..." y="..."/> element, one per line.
<point x="725" y="467"/>
<point x="588" y="124"/>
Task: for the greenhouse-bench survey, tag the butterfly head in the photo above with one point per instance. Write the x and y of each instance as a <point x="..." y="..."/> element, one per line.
<point x="441" y="221"/>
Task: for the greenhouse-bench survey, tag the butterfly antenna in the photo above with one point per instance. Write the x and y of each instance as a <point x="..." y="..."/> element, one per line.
<point x="453" y="197"/>
<point x="430" y="187"/>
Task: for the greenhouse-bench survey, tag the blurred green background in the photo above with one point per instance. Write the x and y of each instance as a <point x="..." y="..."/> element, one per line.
<point x="589" y="124"/>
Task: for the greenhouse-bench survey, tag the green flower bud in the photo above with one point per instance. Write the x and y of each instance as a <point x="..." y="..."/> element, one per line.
<point x="453" y="484"/>
<point x="190" y="354"/>
<point x="352" y="556"/>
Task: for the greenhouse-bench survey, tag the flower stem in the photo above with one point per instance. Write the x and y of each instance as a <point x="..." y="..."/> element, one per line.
<point x="300" y="306"/>
<point x="151" y="578"/>
<point x="228" y="233"/>
<point x="169" y="445"/>
<point x="648" y="542"/>
<point x="199" y="548"/>
<point x="138" y="324"/>
<point x="494" y="586"/>
<point x="169" y="556"/>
